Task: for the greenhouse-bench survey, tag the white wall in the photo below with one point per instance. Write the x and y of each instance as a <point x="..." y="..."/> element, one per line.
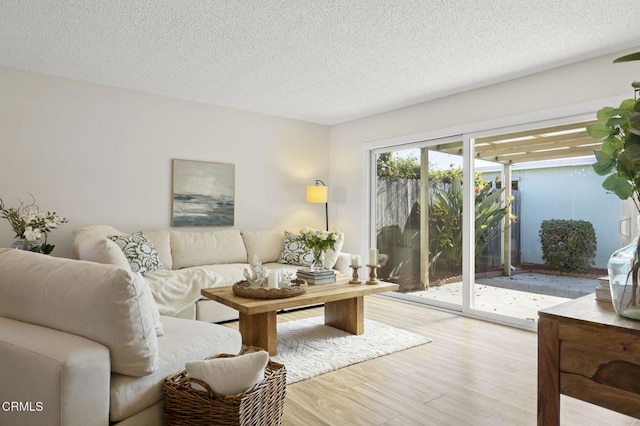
<point x="575" y="89"/>
<point x="569" y="193"/>
<point x="101" y="155"/>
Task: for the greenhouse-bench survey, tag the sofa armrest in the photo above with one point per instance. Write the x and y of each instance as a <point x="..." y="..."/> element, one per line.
<point x="342" y="264"/>
<point x="52" y="378"/>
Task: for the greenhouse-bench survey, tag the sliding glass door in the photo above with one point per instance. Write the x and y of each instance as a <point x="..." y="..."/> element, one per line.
<point x="456" y="218"/>
<point x="418" y="220"/>
<point x="545" y="177"/>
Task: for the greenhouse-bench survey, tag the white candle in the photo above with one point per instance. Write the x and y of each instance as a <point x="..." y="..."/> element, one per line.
<point x="355" y="260"/>
<point x="373" y="256"/>
<point x="272" y="281"/>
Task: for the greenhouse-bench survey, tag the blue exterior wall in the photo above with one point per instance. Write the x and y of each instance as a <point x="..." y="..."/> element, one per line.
<point x="568" y="192"/>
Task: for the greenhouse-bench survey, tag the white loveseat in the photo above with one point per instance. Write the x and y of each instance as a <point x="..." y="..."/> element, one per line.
<point x="192" y="260"/>
<point x="83" y="343"/>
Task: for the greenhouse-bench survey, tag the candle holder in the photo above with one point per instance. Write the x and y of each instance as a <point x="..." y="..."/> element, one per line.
<point x="355" y="278"/>
<point x="373" y="279"/>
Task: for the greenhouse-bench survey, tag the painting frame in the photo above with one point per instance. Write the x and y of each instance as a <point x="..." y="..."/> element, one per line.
<point x="202" y="193"/>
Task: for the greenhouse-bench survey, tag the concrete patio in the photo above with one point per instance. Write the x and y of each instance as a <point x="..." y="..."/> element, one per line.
<point x="522" y="295"/>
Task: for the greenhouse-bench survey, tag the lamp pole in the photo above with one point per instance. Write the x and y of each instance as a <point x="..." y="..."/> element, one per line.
<point x="318" y="194"/>
<point x="326" y="215"/>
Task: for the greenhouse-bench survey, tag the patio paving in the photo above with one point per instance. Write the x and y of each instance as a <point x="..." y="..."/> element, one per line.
<point x="520" y="296"/>
<point x="547" y="284"/>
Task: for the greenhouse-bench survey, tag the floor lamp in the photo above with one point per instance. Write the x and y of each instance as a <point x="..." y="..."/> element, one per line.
<point x="318" y="193"/>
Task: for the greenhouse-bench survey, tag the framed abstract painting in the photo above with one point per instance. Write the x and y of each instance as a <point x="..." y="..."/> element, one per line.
<point x="203" y="193"/>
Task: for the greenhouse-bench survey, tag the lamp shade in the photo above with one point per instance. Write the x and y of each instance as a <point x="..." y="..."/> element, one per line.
<point x="317" y="194"/>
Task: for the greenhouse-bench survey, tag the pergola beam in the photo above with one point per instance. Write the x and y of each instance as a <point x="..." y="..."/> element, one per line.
<point x="519" y="147"/>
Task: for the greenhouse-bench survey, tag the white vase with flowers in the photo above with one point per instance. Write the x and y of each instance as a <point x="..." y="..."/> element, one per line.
<point x="31" y="226"/>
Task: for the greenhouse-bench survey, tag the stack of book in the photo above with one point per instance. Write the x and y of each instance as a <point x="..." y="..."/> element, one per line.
<point x="324" y="276"/>
<point x="603" y="292"/>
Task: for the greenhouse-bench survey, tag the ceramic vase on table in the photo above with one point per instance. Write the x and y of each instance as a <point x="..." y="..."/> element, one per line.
<point x="623" y="279"/>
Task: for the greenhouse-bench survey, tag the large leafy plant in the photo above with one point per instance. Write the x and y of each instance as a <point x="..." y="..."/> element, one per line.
<point x="619" y="156"/>
<point x="445" y="220"/>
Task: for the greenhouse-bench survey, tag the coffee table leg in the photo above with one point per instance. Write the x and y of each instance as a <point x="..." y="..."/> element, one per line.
<point x="347" y="314"/>
<point x="260" y="330"/>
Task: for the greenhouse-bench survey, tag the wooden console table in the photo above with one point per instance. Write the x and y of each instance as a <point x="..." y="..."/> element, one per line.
<point x="588" y="352"/>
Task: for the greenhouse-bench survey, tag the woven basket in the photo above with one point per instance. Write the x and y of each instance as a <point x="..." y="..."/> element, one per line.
<point x="261" y="404"/>
<point x="244" y="289"/>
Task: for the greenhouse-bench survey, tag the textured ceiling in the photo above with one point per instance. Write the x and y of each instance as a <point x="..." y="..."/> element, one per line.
<point x="324" y="61"/>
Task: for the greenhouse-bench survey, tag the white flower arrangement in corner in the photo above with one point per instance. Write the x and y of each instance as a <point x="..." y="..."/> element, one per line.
<point x="32" y="226"/>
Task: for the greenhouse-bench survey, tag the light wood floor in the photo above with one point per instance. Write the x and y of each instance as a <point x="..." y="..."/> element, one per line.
<point x="473" y="373"/>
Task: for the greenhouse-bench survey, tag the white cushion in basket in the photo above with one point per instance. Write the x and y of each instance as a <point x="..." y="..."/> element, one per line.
<point x="104" y="303"/>
<point x="207" y="248"/>
<point x="267" y="245"/>
<point x="184" y="340"/>
<point x="230" y="376"/>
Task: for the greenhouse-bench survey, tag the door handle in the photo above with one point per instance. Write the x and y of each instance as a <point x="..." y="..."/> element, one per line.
<point x="627" y="232"/>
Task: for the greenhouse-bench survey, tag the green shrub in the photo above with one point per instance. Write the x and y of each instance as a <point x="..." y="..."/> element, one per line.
<point x="568" y="245"/>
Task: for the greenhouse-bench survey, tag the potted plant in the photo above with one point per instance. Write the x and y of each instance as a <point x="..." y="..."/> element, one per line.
<point x="31" y="227"/>
<point x="619" y="160"/>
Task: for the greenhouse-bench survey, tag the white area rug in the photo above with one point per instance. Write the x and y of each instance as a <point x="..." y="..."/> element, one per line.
<point x="308" y="348"/>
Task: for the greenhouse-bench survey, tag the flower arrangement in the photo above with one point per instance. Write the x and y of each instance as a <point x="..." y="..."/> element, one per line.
<point x="32" y="226"/>
<point x="318" y="240"/>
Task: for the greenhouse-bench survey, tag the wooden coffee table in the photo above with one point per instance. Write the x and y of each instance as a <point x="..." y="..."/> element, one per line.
<point x="343" y="309"/>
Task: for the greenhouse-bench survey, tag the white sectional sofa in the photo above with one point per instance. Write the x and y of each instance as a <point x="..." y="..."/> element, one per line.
<point x="83" y="343"/>
<point x="192" y="260"/>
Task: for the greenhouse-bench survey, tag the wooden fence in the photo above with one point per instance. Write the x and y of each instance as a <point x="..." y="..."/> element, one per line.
<point x="398" y="227"/>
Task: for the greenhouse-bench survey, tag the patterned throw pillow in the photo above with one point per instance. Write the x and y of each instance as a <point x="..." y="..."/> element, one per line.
<point x="139" y="251"/>
<point x="294" y="252"/>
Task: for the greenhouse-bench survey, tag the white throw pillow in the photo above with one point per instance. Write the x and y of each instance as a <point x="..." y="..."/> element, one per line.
<point x="139" y="251"/>
<point x="267" y="245"/>
<point x="93" y="248"/>
<point x="98" y="230"/>
<point x="230" y="376"/>
<point x="331" y="256"/>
